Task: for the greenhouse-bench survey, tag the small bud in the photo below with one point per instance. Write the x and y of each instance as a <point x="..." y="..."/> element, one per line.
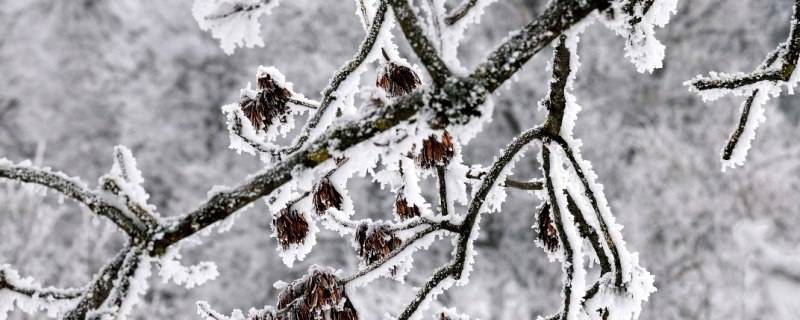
<point x="435" y="153"/>
<point x="548" y="235"/>
<point x="318" y="295"/>
<point x="396" y="80"/>
<point x="291" y="227"/>
<point x="404" y="211"/>
<point x="326" y="196"/>
<point x="375" y="243"/>
<point x="269" y="104"/>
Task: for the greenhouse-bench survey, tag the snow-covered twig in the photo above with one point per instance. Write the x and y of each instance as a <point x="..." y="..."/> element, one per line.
<point x="534" y="185"/>
<point x="512" y="54"/>
<point x="75" y="189"/>
<point x="329" y="94"/>
<point x="777" y="69"/>
<point x="460" y="12"/>
<point x="421" y="45"/>
<point x="566" y="243"/>
<point x="48" y="294"/>
<point x="100" y="288"/>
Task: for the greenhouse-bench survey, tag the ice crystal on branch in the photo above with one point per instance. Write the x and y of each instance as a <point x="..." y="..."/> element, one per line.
<point x="233" y="22"/>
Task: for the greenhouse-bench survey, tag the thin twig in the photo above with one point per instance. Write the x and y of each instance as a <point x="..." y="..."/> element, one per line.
<point x="569" y="263"/>
<point x="442" y="182"/>
<point x="72" y="187"/>
<point x="238" y="8"/>
<point x="421" y="45"/>
<point x="328" y="95"/>
<point x="460" y="12"/>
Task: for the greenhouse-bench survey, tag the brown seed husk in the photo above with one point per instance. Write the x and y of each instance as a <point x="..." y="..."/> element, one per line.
<point x="318" y="295"/>
<point x="376" y="243"/>
<point x="396" y="80"/>
<point x="435" y="153"/>
<point x="269" y="105"/>
<point x="548" y="235"/>
<point x="404" y="211"/>
<point x="326" y="196"/>
<point x="291" y="227"/>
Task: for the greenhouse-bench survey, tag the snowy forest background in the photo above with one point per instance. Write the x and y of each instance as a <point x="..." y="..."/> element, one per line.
<point x="79" y="77"/>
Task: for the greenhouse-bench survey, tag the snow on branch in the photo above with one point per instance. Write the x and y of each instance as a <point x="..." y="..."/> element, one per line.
<point x="233" y="22"/>
<point x="420" y="43"/>
<point x="406" y="130"/>
<point x="75" y="189"/>
<point x="30" y="296"/>
<point x="766" y="81"/>
<point x="636" y="20"/>
<point x="517" y="49"/>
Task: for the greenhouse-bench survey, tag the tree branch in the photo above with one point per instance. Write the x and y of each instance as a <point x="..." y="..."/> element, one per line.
<point x="459" y="12"/>
<point x="46" y="294"/>
<point x="100" y="288"/>
<point x="421" y="45"/>
<point x="75" y="189"/>
<point x="510" y="56"/>
<point x="788" y="51"/>
<point x="340" y="76"/>
<point x="576" y="167"/>
<point x="238" y="8"/>
<point x="568" y="264"/>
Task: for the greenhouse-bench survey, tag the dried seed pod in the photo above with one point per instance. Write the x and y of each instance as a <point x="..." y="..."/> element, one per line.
<point x="326" y="196"/>
<point x="435" y="153"/>
<point x="404" y="211"/>
<point x="269" y="104"/>
<point x="396" y="79"/>
<point x="291" y="227"/>
<point x="548" y="235"/>
<point x="318" y="295"/>
<point x="375" y="243"/>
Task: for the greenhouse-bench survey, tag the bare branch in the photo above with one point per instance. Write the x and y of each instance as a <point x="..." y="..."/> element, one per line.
<point x="523" y="185"/>
<point x="440" y="174"/>
<point x="304" y="103"/>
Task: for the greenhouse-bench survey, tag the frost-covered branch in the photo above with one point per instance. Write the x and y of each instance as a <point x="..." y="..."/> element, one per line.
<point x="523" y="44"/>
<point x="10" y="281"/>
<point x="777" y="69"/>
<point x="329" y="94"/>
<point x="421" y="45"/>
<point x="75" y="189"/>
<point x="383" y="246"/>
<point x="100" y="288"/>
<point x="566" y="244"/>
<point x="460" y="12"/>
<point x="237" y="8"/>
